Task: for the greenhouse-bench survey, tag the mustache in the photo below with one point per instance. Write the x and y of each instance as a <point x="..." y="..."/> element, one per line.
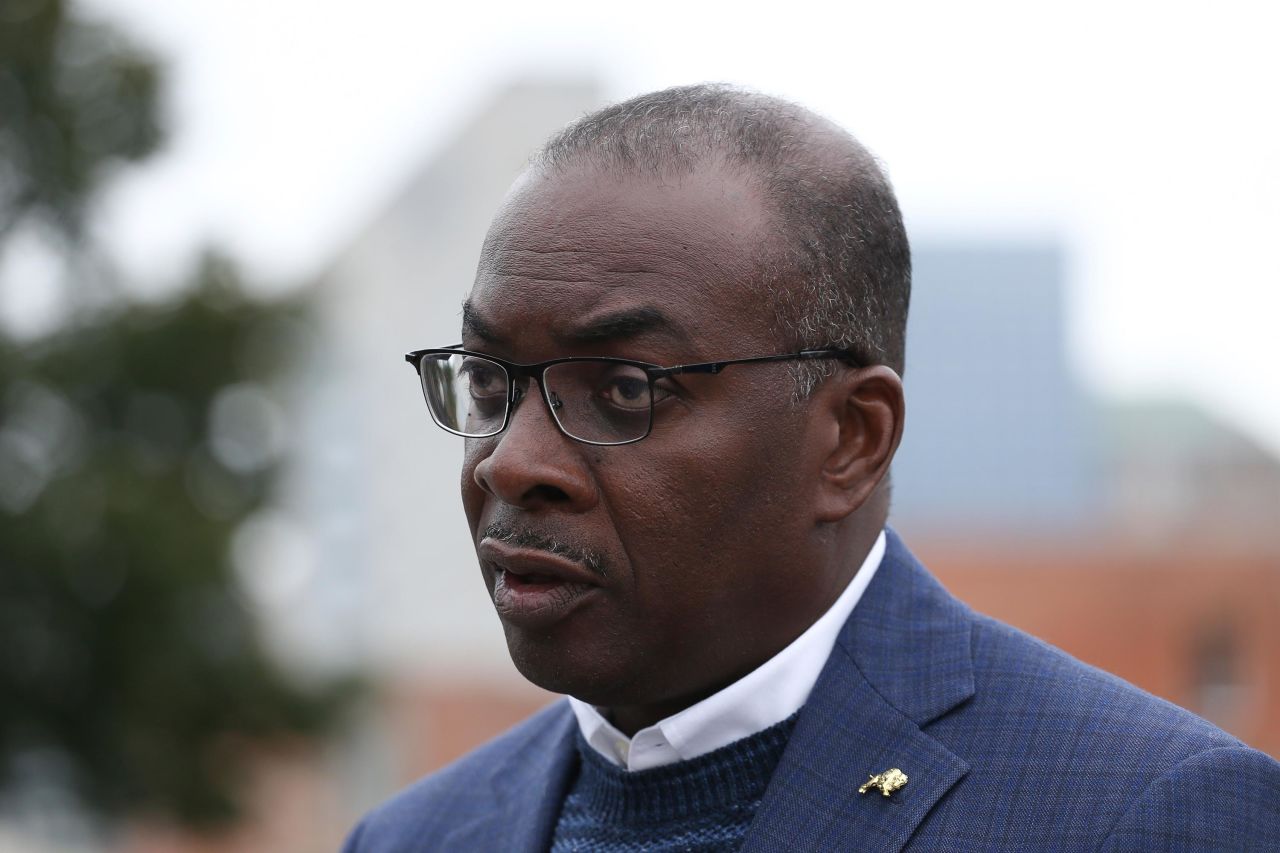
<point x="530" y="539"/>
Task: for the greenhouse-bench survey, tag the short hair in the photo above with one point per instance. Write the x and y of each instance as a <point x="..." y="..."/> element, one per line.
<point x="840" y="274"/>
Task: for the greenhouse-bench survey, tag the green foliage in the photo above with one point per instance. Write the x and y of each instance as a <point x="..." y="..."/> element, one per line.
<point x="129" y="652"/>
<point x="75" y="98"/>
<point x="132" y="445"/>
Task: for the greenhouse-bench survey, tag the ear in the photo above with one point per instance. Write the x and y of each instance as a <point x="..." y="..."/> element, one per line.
<point x="862" y="412"/>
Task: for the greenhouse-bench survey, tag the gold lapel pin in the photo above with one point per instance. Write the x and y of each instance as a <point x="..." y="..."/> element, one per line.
<point x="886" y="783"/>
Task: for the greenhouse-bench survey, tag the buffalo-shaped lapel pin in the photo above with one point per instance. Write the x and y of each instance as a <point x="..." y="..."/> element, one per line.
<point x="887" y="782"/>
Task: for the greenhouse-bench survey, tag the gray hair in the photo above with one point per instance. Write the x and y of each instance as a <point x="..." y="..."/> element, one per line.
<point x="840" y="276"/>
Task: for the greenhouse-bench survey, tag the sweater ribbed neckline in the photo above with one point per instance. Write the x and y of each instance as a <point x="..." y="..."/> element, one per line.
<point x="722" y="779"/>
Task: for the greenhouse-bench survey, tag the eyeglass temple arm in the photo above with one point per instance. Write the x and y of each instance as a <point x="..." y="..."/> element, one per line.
<point x="717" y="366"/>
<point x="416" y="355"/>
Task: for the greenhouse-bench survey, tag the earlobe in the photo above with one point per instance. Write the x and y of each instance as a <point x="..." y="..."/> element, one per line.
<point x="864" y="412"/>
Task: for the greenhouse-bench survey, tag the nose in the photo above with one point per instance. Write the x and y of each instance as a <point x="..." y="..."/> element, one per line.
<point x="533" y="465"/>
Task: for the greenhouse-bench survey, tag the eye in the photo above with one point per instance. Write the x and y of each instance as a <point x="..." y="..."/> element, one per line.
<point x="625" y="387"/>
<point x="484" y="379"/>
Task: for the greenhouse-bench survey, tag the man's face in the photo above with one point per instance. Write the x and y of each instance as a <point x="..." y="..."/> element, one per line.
<point x="646" y="575"/>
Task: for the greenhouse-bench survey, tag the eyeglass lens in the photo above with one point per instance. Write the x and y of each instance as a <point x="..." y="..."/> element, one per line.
<point x="597" y="401"/>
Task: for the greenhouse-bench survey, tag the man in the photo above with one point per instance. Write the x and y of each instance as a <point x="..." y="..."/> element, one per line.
<point x="679" y="387"/>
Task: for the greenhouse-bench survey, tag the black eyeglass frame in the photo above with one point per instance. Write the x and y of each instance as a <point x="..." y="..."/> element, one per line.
<point x="654" y="372"/>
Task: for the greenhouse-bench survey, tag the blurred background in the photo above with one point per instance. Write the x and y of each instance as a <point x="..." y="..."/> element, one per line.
<point x="237" y="601"/>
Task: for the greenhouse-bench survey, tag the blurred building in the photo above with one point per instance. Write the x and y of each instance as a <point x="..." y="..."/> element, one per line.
<point x="1000" y="435"/>
<point x="1177" y="475"/>
<point x="1141" y="538"/>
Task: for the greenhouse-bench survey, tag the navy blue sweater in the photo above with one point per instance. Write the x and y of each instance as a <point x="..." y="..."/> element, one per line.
<point x="703" y="805"/>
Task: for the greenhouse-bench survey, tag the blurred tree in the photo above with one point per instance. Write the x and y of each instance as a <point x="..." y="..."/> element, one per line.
<point x="133" y="442"/>
<point x="75" y="98"/>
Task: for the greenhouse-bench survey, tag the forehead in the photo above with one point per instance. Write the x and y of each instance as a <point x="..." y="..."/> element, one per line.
<point x="584" y="256"/>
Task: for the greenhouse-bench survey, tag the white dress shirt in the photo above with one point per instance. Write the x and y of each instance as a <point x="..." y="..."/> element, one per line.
<point x="763" y="697"/>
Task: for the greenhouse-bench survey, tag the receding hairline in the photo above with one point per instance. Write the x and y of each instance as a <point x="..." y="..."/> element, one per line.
<point x="570" y="153"/>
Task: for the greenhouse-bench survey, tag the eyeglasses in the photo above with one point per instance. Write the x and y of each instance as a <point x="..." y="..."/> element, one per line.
<point x="600" y="401"/>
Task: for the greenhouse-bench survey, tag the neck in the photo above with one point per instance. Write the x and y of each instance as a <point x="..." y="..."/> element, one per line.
<point x="630" y="719"/>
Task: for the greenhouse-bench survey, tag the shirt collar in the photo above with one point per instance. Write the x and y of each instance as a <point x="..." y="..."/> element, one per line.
<point x="763" y="697"/>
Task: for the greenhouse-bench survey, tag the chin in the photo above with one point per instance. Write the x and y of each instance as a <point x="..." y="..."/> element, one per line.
<point x="561" y="668"/>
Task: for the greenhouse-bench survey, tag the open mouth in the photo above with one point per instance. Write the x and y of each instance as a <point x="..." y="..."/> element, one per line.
<point x="535" y="599"/>
<point x="532" y="586"/>
<point x="529" y="580"/>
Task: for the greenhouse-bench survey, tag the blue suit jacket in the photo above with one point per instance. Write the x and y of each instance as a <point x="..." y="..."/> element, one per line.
<point x="1008" y="743"/>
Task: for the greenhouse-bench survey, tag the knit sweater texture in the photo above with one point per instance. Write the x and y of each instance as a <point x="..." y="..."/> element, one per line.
<point x="700" y="806"/>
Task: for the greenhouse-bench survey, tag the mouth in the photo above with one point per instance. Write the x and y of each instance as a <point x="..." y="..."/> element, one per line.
<point x="532" y="587"/>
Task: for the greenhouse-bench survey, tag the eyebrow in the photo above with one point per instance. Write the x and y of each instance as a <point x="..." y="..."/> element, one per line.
<point x="626" y="324"/>
<point x="474" y="324"/>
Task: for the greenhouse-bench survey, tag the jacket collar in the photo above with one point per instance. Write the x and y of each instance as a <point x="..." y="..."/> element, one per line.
<point x="910" y="639"/>
<point x="903" y="660"/>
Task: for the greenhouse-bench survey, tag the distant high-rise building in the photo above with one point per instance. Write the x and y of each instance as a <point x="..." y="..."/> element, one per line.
<point x="999" y="434"/>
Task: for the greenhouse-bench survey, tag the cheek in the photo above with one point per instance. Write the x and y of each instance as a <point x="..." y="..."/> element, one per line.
<point x="472" y="494"/>
<point x="698" y="516"/>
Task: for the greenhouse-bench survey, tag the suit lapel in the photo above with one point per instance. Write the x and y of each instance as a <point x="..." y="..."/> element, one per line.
<point x="901" y="661"/>
<point x="527" y="790"/>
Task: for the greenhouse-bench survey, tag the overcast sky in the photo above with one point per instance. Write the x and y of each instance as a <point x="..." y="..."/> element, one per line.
<point x="1144" y="137"/>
